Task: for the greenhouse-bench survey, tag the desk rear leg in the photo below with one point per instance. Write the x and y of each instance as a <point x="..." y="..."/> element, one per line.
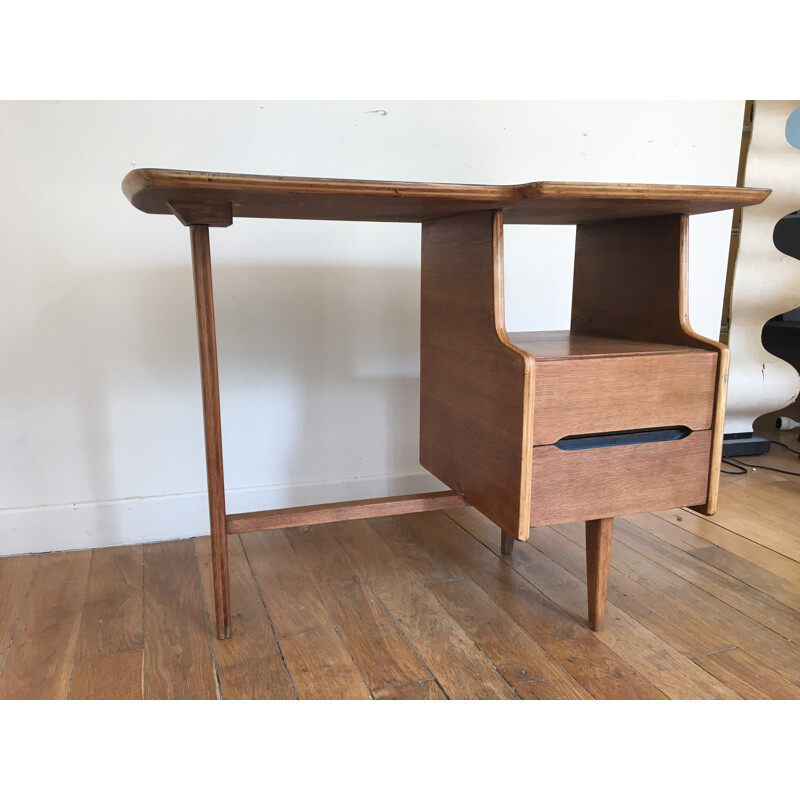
<point x="506" y="542"/>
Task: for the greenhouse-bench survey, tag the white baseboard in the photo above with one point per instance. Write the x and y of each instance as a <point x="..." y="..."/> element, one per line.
<point x="44" y="529"/>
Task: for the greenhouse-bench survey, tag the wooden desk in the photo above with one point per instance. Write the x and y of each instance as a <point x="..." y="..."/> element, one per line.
<point x="622" y="413"/>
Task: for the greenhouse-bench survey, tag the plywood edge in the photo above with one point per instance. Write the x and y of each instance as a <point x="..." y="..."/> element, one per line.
<point x="529" y="365"/>
<point x="723" y="367"/>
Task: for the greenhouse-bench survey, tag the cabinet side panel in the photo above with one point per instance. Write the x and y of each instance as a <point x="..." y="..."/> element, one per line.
<point x="476" y="388"/>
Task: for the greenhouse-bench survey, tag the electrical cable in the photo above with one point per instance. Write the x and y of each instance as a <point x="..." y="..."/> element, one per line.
<point x="734" y="462"/>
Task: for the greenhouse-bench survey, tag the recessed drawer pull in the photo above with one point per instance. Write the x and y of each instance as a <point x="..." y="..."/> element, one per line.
<point x="618" y="438"/>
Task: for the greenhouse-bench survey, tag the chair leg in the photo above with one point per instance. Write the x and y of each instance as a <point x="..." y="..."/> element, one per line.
<point x="506" y="542"/>
<point x="598" y="558"/>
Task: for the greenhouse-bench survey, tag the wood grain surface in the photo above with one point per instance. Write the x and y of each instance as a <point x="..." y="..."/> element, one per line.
<point x="336" y="512"/>
<point x="462" y="670"/>
<point x="315" y="655"/>
<point x="598" y="558"/>
<point x="39" y="664"/>
<point x="476" y="388"/>
<point x="584" y="395"/>
<point x="178" y="658"/>
<point x="696" y="610"/>
<point x="212" y="424"/>
<point x="545" y="203"/>
<point x="608" y="481"/>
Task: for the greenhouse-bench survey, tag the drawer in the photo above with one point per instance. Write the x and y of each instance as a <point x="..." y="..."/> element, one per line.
<point x="594" y="395"/>
<point x="576" y="485"/>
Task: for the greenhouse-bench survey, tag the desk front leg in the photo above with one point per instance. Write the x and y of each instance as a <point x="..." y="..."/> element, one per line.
<point x="207" y="340"/>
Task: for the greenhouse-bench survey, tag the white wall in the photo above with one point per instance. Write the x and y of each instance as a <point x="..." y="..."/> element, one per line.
<point x="100" y="420"/>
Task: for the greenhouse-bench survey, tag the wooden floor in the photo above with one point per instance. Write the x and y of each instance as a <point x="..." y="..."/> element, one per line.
<point x="425" y="607"/>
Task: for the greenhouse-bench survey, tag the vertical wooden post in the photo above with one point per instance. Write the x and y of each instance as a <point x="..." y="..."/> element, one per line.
<point x="598" y="558"/>
<point x="207" y="340"/>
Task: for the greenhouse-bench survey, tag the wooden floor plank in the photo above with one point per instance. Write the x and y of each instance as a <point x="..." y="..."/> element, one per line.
<point x="117" y="676"/>
<point x="689" y="635"/>
<point x="112" y="615"/>
<point x="319" y="664"/>
<point x="749" y="677"/>
<point x="16" y="576"/>
<point x="664" y="666"/>
<point x="695" y="604"/>
<point x="777" y="587"/>
<point x="377" y="645"/>
<point x="178" y="661"/>
<point x="252" y="637"/>
<point x="768" y="515"/>
<point x="458" y="665"/>
<point x="260" y="679"/>
<point x="755" y="604"/>
<point x="421" y="690"/>
<point x="601" y="671"/>
<point x="707" y="529"/>
<point x="530" y="669"/>
<point x="39" y="662"/>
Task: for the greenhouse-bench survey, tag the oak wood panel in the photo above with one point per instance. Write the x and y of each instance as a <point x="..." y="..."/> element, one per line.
<point x="202" y="212"/>
<point x="663" y="665"/>
<point x="750" y="678"/>
<point x="336" y="512"/>
<point x="772" y="649"/>
<point x="610" y="481"/>
<point x="112" y="619"/>
<point x="709" y="507"/>
<point x="178" y="661"/>
<point x="459" y="666"/>
<point x="735" y="542"/>
<point x="628" y="280"/>
<point x="530" y="669"/>
<point x="755" y="604"/>
<point x="39" y="662"/>
<point x="16" y="576"/>
<point x="582" y="396"/>
<point x="601" y="671"/>
<point x="254" y="637"/>
<point x="422" y="690"/>
<point x="212" y="425"/>
<point x="317" y="198"/>
<point x="377" y="645"/>
<point x="259" y="679"/>
<point x="631" y="281"/>
<point x="558" y="345"/>
<point x="112" y="676"/>
<point x="320" y="665"/>
<point x="476" y="388"/>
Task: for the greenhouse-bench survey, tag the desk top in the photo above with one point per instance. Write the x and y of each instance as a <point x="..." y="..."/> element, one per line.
<point x="543" y="203"/>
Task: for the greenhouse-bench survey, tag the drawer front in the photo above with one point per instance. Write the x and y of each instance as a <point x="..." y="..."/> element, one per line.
<point x="576" y="485"/>
<point x="595" y="395"/>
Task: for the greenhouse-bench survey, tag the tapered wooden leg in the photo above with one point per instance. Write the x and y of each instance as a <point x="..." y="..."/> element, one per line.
<point x="506" y="542"/>
<point x="207" y="339"/>
<point x="598" y="558"/>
